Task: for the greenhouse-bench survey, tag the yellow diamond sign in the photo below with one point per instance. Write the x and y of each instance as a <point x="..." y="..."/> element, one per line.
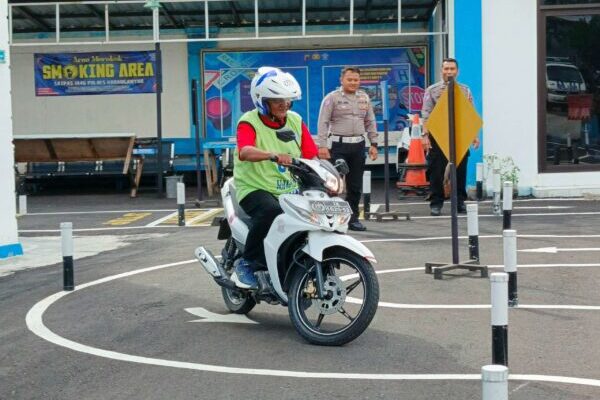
<point x="466" y="121"/>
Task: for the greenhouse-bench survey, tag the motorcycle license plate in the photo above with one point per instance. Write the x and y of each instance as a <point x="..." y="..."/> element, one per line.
<point x="330" y="207"/>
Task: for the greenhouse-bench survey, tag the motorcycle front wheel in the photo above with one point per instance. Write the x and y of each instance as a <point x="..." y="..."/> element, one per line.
<point x="348" y="307"/>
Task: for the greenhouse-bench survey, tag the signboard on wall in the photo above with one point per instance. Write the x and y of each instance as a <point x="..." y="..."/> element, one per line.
<point x="227" y="77"/>
<point x="69" y="74"/>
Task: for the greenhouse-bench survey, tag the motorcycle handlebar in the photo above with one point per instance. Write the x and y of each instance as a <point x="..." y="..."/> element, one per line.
<point x="295" y="161"/>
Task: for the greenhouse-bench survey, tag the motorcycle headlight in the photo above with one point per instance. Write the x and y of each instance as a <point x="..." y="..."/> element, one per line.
<point x="309" y="216"/>
<point x="334" y="184"/>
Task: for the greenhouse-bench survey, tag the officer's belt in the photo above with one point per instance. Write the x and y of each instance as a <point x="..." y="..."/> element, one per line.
<point x="347" y="139"/>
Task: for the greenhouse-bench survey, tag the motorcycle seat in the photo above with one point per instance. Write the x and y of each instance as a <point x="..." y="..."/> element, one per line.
<point x="239" y="211"/>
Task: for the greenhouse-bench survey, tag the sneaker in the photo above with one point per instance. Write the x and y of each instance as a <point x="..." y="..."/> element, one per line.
<point x="243" y="275"/>
<point x="356" y="226"/>
<point x="436" y="211"/>
<point x="461" y="208"/>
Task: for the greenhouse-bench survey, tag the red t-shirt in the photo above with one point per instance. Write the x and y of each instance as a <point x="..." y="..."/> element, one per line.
<point x="246" y="136"/>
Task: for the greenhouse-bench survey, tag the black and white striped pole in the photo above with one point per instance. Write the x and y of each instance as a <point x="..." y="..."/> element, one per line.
<point x="499" y="282"/>
<point x="510" y="265"/>
<point x="66" y="236"/>
<point x="473" y="231"/>
<point x="366" y="188"/>
<point x="507" y="193"/>
<point x="494" y="380"/>
<point x="181" y="203"/>
<point x="569" y="148"/>
<point x="497" y="192"/>
<point x="479" y="180"/>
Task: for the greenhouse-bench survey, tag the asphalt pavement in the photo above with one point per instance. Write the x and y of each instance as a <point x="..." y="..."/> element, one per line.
<point x="146" y="322"/>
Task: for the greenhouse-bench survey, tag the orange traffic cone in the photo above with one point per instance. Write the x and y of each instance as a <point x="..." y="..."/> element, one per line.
<point x="413" y="177"/>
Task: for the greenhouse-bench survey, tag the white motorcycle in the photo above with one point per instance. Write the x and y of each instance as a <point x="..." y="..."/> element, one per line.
<point x="322" y="275"/>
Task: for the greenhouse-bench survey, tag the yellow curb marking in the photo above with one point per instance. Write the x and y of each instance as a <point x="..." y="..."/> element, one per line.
<point x="127" y="219"/>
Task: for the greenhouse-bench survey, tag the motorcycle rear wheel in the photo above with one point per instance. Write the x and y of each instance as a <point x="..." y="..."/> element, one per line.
<point x="237" y="301"/>
<point x="338" y="319"/>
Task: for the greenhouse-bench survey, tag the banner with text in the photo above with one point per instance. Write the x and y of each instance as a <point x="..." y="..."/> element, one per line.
<point x="75" y="74"/>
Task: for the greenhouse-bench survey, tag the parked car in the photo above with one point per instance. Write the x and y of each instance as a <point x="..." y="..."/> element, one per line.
<point x="563" y="79"/>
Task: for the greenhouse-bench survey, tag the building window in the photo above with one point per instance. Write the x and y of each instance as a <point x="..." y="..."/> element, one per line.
<point x="568" y="2"/>
<point x="569" y="85"/>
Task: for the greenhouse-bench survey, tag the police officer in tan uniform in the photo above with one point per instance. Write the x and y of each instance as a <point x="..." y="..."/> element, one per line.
<point x="436" y="159"/>
<point x="346" y="115"/>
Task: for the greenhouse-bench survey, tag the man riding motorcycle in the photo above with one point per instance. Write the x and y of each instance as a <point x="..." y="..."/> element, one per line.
<point x="258" y="180"/>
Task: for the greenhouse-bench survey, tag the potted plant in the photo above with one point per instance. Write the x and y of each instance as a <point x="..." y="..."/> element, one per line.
<point x="508" y="169"/>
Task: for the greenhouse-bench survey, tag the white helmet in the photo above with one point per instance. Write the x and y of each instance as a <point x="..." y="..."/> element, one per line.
<point x="273" y="83"/>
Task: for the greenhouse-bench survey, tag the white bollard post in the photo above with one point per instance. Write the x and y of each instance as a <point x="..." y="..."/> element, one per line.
<point x="507" y="194"/>
<point x="494" y="380"/>
<point x="66" y="235"/>
<point x="569" y="148"/>
<point x="499" y="281"/>
<point x="22" y="204"/>
<point x="473" y="231"/>
<point x="181" y="203"/>
<point x="510" y="265"/>
<point x="479" y="180"/>
<point x="366" y="189"/>
<point x="497" y="192"/>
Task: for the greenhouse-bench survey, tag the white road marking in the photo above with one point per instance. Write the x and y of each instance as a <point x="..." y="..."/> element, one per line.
<point x="480" y="237"/>
<point x="100" y="212"/>
<point x="115" y="228"/>
<point x="585" y="265"/>
<point x="161" y="220"/>
<point x="373" y="206"/>
<point x="475" y="306"/>
<point x="490" y="201"/>
<point x="541" y="207"/>
<point x="554" y="250"/>
<point x="34" y="320"/>
<point x="514" y="215"/>
<point x="522" y="385"/>
<point x="207" y="316"/>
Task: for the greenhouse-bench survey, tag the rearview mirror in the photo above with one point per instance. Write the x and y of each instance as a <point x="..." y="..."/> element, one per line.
<point x="341" y="166"/>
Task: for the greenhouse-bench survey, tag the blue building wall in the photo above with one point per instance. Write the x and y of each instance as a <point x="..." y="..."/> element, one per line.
<point x="468" y="52"/>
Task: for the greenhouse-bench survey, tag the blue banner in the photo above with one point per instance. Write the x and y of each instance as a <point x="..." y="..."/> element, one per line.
<point x="74" y="74"/>
<point x="227" y="77"/>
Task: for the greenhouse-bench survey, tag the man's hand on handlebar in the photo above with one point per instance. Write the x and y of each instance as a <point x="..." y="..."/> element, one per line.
<point x="281" y="159"/>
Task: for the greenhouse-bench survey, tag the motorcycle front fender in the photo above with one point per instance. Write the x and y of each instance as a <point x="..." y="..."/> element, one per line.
<point x="319" y="241"/>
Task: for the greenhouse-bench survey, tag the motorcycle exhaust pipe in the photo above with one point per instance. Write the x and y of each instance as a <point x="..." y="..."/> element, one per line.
<point x="212" y="266"/>
<point x="226" y="283"/>
<point x="210" y="263"/>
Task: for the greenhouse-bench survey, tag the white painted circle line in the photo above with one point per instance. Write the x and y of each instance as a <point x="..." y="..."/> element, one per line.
<point x="513" y="215"/>
<point x="354" y="300"/>
<point x="425" y="239"/>
<point x="35" y="324"/>
<point x="475" y="306"/>
<point x="101" y="212"/>
<point x="115" y="228"/>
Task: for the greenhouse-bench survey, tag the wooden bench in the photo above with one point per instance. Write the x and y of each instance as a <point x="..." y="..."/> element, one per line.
<point x="77" y="154"/>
